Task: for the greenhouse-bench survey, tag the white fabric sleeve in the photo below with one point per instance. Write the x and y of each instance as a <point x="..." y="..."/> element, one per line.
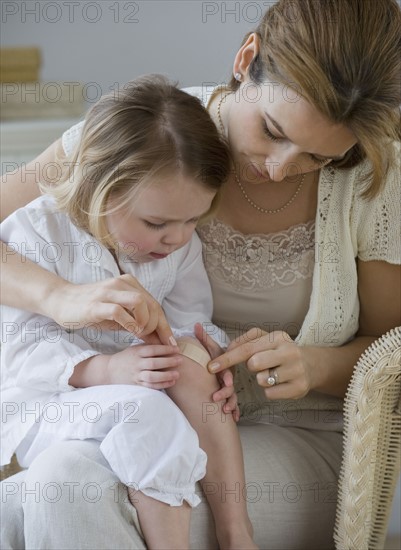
<point x="379" y="220"/>
<point x="37" y="352"/>
<point x="71" y="137"/>
<point x="190" y="300"/>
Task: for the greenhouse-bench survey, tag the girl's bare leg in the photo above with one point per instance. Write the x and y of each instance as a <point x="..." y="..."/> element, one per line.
<point x="164" y="527"/>
<point x="224" y="483"/>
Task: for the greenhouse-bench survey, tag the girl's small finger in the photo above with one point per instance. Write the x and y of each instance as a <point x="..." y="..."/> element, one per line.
<point x="156" y="377"/>
<point x="227" y="378"/>
<point x="158" y="350"/>
<point x="158" y="386"/>
<point x="222" y="394"/>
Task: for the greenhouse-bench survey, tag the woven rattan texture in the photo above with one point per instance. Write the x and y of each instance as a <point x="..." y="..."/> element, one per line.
<point x="372" y="446"/>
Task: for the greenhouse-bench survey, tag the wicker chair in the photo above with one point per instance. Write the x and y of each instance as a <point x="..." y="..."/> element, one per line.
<point x="372" y="447"/>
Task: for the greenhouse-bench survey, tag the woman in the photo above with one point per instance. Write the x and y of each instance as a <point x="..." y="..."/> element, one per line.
<point x="304" y="259"/>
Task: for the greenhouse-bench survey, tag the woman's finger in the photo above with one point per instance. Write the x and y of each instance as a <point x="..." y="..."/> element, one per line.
<point x="265" y="360"/>
<point x="158" y="322"/>
<point x="243" y="352"/>
<point x="287" y="390"/>
<point x="164" y="332"/>
<point x="115" y="313"/>
<point x="140" y="312"/>
<point x="253" y="335"/>
<point x="230" y="358"/>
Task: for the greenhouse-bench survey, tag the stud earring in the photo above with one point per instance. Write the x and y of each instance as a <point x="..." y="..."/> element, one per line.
<point x="238" y="76"/>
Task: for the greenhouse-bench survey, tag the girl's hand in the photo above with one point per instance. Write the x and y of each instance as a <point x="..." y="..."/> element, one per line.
<point x="146" y="365"/>
<point x="226" y="379"/>
<point x="113" y="304"/>
<point x="269" y="353"/>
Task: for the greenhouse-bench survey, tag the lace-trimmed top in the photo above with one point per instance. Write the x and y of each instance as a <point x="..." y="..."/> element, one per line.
<point x="262" y="280"/>
<point x="257" y="261"/>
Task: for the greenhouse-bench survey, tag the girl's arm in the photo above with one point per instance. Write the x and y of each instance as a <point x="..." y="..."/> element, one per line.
<point x="151" y="366"/>
<point x="26" y="285"/>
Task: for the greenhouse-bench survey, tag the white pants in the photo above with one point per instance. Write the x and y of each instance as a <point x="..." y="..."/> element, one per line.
<point x="70" y="500"/>
<point x="143" y="435"/>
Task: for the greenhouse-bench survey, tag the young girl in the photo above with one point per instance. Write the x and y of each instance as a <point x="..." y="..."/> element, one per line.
<point x="148" y="166"/>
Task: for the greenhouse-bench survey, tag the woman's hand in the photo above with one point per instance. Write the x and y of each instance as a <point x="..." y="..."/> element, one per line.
<point x="270" y="355"/>
<point x="146" y="365"/>
<point x="225" y="378"/>
<point x="113" y="304"/>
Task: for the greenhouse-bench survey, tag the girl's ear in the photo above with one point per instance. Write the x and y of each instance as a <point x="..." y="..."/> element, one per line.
<point x="246" y="53"/>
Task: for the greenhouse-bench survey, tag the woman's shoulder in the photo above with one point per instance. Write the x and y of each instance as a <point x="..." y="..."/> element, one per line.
<point x="71" y="136"/>
<point x="376" y="221"/>
<point x="390" y="190"/>
<point x="353" y="182"/>
<point x="203" y="93"/>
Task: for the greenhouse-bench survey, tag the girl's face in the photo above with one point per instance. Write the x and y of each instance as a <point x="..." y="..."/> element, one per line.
<point x="275" y="133"/>
<point x="162" y="219"/>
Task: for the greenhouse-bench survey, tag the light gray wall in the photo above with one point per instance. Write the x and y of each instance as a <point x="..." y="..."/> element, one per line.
<point x="108" y="41"/>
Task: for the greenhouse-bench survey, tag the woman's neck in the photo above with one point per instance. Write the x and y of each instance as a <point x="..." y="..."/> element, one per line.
<point x="235" y="210"/>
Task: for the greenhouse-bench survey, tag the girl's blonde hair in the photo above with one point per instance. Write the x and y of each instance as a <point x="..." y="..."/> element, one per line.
<point x="131" y="137"/>
<point x="343" y="57"/>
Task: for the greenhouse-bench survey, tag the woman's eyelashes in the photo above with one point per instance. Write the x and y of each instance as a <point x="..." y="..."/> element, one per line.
<point x="272" y="137"/>
<point x="320" y="161"/>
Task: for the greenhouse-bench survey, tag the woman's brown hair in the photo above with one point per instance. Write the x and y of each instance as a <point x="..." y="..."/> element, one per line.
<point x="343" y="57"/>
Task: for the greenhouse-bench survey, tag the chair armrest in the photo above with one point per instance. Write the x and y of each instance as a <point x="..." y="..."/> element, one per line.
<point x="372" y="446"/>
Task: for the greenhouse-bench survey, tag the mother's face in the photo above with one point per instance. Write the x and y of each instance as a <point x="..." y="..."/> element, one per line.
<point x="275" y="133"/>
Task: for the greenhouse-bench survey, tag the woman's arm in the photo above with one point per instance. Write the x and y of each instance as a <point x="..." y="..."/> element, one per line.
<point x="21" y="187"/>
<point x="112" y="303"/>
<point x="24" y="284"/>
<point x="379" y="289"/>
<point x="326" y="369"/>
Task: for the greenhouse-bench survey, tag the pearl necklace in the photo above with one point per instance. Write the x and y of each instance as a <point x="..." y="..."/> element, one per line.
<point x="253" y="204"/>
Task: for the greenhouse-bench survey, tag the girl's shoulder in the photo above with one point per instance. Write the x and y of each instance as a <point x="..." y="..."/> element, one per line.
<point x="35" y="211"/>
<point x="42" y="218"/>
